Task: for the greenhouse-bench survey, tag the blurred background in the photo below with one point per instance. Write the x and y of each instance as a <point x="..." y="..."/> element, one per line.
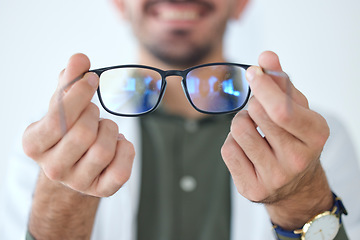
<point x="317" y="41"/>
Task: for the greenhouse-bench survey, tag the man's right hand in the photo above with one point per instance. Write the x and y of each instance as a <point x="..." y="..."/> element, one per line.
<point x="72" y="145"/>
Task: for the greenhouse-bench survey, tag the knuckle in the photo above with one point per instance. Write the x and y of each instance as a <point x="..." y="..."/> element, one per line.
<point x="78" y="140"/>
<point x="84" y="136"/>
<point x="241" y="125"/>
<point x="300" y="161"/>
<point x="281" y="114"/>
<point x="257" y="196"/>
<point x="109" y="125"/>
<point x="118" y="179"/>
<point x="300" y="165"/>
<point x="243" y="189"/>
<point x="241" y="133"/>
<point x="31" y="149"/>
<point x="53" y="172"/>
<point x="53" y="123"/>
<point x="127" y="149"/>
<point x="279" y="180"/>
<point x="103" y="193"/>
<point x="121" y="176"/>
<point x="323" y="135"/>
<point x="80" y="186"/>
<point x="304" y="101"/>
<point x="131" y="150"/>
<point x="227" y="152"/>
<point x="230" y="153"/>
<point x="301" y="99"/>
<point x="94" y="109"/>
<point x="101" y="155"/>
<point x="253" y="192"/>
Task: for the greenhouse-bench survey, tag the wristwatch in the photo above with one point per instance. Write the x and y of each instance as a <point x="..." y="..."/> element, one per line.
<point x="323" y="226"/>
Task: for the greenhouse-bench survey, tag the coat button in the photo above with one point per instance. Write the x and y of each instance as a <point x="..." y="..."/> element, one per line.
<point x="191" y="126"/>
<point x="188" y="183"/>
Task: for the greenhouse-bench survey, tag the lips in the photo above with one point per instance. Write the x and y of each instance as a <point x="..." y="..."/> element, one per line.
<point x="178" y="10"/>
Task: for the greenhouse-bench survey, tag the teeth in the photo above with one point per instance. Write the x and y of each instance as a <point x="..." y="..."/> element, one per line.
<point x="179" y="15"/>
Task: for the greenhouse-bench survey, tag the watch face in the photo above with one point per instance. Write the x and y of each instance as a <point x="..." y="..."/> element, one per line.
<point x="323" y="227"/>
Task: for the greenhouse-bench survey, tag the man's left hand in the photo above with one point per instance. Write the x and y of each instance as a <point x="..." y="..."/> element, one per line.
<point x="281" y="169"/>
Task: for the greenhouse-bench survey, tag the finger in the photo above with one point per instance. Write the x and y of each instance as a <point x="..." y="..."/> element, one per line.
<point x="271" y="131"/>
<point x="97" y="158"/>
<point x="64" y="113"/>
<point x="119" y="170"/>
<point x="256" y="148"/>
<point x="78" y="64"/>
<point x="59" y="160"/>
<point x="283" y="144"/>
<point x="299" y="121"/>
<point x="64" y="109"/>
<point x="242" y="170"/>
<point x="69" y="106"/>
<point x="270" y="63"/>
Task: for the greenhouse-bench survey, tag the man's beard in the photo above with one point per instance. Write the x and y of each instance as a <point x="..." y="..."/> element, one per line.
<point x="193" y="55"/>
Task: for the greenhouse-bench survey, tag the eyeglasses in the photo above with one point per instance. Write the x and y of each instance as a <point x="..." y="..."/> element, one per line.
<point x="135" y="90"/>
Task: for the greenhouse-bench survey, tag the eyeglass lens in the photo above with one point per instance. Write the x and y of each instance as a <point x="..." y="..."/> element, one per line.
<point x="130" y="91"/>
<point x="211" y="89"/>
<point x="217" y="88"/>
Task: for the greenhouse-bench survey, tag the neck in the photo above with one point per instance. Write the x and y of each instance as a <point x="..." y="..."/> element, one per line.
<point x="174" y="100"/>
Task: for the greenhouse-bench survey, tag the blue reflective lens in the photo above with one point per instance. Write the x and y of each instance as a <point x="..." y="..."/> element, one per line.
<point x="130" y="91"/>
<point x="217" y="88"/>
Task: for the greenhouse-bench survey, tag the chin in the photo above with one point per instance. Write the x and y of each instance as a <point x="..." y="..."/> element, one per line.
<point x="180" y="56"/>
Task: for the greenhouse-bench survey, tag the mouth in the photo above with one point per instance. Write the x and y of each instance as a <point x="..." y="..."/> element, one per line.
<point x="178" y="11"/>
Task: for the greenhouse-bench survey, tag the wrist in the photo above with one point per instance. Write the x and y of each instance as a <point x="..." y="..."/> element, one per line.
<point x="58" y="211"/>
<point x="56" y="188"/>
<point x="311" y="197"/>
<point x="327" y="225"/>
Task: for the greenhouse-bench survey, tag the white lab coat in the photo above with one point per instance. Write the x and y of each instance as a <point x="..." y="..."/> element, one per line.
<point x="116" y="215"/>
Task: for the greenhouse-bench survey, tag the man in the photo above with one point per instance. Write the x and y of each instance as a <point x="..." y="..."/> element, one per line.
<point x="83" y="159"/>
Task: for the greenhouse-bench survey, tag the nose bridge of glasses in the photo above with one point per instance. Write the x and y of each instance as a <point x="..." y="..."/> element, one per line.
<point x="170" y="73"/>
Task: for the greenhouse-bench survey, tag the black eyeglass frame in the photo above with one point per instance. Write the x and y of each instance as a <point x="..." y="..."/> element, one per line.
<point x="164" y="74"/>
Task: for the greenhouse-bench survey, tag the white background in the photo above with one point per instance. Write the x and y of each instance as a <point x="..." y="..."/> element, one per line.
<point x="317" y="41"/>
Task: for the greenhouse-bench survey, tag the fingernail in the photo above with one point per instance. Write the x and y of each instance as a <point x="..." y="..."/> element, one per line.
<point x="92" y="79"/>
<point x="252" y="72"/>
<point x="121" y="137"/>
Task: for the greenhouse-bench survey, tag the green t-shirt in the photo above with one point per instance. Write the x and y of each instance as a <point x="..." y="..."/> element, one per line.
<point x="185" y="188"/>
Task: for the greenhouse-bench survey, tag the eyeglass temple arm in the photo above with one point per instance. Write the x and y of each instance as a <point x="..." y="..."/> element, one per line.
<point x="283" y="74"/>
<point x="60" y="92"/>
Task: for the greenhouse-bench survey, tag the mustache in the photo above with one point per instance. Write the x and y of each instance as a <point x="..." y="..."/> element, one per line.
<point x="207" y="4"/>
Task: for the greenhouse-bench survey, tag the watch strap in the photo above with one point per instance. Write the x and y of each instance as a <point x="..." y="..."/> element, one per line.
<point x="340" y="207"/>
<point x="283" y="234"/>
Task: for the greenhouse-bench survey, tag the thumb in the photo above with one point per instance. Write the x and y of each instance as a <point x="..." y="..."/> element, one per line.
<point x="270" y="63"/>
<point x="270" y="60"/>
<point x="77" y="66"/>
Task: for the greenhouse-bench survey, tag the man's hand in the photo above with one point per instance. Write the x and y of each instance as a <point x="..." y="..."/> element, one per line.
<point x="81" y="156"/>
<point x="281" y="169"/>
<point x="72" y="145"/>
